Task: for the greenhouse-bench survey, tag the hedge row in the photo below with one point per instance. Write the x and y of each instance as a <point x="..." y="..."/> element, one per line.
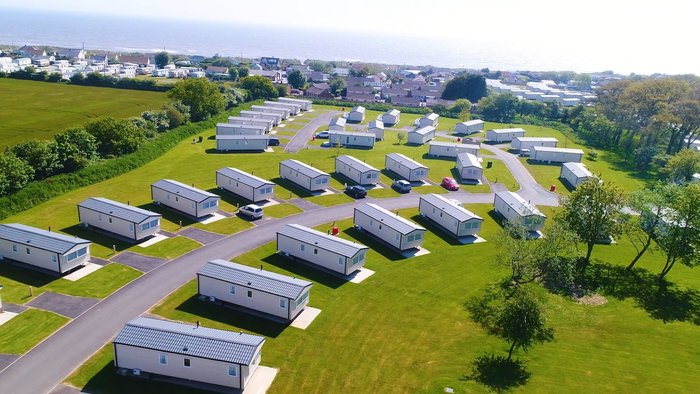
<point x="372" y="106"/>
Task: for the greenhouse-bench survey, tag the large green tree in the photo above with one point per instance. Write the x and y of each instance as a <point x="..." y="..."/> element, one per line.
<point x="203" y="97"/>
<point x="76" y="149"/>
<point x="465" y="86"/>
<point x="682" y="166"/>
<point x="498" y="107"/>
<point x="679" y="235"/>
<point x="115" y="137"/>
<point x="258" y="87"/>
<point x="42" y="156"/>
<point x="14" y="173"/>
<point x="162" y="59"/>
<point x="296" y="79"/>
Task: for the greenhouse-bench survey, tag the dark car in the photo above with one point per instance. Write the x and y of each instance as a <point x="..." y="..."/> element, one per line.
<point x="356" y="191"/>
<point x="273" y="142"/>
<point x="401" y="186"/>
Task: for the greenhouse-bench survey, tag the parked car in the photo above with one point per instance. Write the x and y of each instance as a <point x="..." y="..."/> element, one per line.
<point x="449" y="183"/>
<point x="401" y="186"/>
<point x="356" y="191"/>
<point x="251" y="211"/>
<point x="323" y="134"/>
<point x="273" y="142"/>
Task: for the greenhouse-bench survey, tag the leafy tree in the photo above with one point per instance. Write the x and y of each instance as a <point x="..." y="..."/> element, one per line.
<point x="203" y="97"/>
<point x="177" y="113"/>
<point x="281" y="90"/>
<point x="115" y="137"/>
<point x="582" y="81"/>
<point x="468" y="86"/>
<point x="336" y="84"/>
<point x="400" y="136"/>
<point x="77" y="79"/>
<point x="158" y="119"/>
<point x="679" y="235"/>
<point x="14" y="173"/>
<point x="162" y="59"/>
<point x="296" y="79"/>
<point x="76" y="149"/>
<point x="499" y="108"/>
<point x="461" y="109"/>
<point x="40" y="155"/>
<point x="258" y="87"/>
<point x="233" y="73"/>
<point x="242" y="72"/>
<point x="644" y="156"/>
<point x="681" y="167"/>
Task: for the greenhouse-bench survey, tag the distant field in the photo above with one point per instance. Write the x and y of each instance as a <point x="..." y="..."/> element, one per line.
<point x="37" y="110"/>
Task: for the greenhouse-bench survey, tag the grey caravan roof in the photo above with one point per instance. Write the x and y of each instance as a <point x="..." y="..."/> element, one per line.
<point x="405" y="161"/>
<point x="404" y="226"/>
<point x="355" y="163"/>
<point x="450" y="208"/>
<point x="240" y="126"/>
<point x="578" y="169"/>
<point x="453" y="145"/>
<point x="338" y="122"/>
<point x="39" y="238"/>
<point x="186" y="339"/>
<point x="302" y="168"/>
<point x="376" y="124"/>
<point x="322" y="240"/>
<point x="521" y="206"/>
<point x="117" y="209"/>
<point x="473" y="122"/>
<point x="243" y="137"/>
<point x="243" y="177"/>
<point x="467" y="159"/>
<point x="255" y="278"/>
<point x="393" y="112"/>
<point x="185" y="191"/>
<point x="556" y="150"/>
<point x="424" y="130"/>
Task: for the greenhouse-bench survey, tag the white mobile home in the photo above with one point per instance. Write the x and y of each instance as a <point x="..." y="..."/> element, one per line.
<point x="557" y="155"/>
<point x="239" y="129"/>
<point x="294" y="109"/>
<point x="357" y="114"/>
<point x="276" y="118"/>
<point x="504" y="135"/>
<point x="422" y="135"/>
<point x="356" y="170"/>
<point x="337" y="124"/>
<point x="469" y="167"/>
<point x="406" y="168"/>
<point x="391" y="117"/>
<point x="283" y="113"/>
<point x="245" y="185"/>
<point x="189" y="352"/>
<point x="301" y="174"/>
<point x="253" y="288"/>
<point x="575" y="173"/>
<point x="453" y="218"/>
<point x="451" y="149"/>
<point x="327" y="251"/>
<point x="306" y="105"/>
<point x="124" y="220"/>
<point x="514" y="208"/>
<point x="429" y="120"/>
<point x="252" y="143"/>
<point x="184" y="198"/>
<point x="376" y="127"/>
<point x="470" y="127"/>
<point x="388" y="227"/>
<point x="351" y="139"/>
<point x="43" y="249"/>
<point x="523" y="143"/>
<point x="268" y="123"/>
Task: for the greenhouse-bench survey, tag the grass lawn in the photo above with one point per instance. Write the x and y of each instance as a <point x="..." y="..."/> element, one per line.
<point x="331" y="199"/>
<point x="169" y="248"/>
<point x="37" y="110"/>
<point x="27" y="329"/>
<point x="226" y="226"/>
<point x="282" y="210"/>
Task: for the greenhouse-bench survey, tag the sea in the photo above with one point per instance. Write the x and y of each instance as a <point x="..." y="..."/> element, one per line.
<point x="472" y="50"/>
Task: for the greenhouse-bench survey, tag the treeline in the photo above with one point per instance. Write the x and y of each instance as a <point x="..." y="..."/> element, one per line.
<point x="91" y="79"/>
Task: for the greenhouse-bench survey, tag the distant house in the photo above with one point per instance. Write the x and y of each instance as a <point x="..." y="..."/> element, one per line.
<point x="139" y="60"/>
<point x="451" y="217"/>
<point x="301" y="174"/>
<point x="422" y="135"/>
<point x="189" y="352"/>
<point x="451" y="149"/>
<point x="391" y="117"/>
<point x="469" y="127"/>
<point x="337" y="124"/>
<point x="131" y="223"/>
<point x="276" y="118"/>
<point x="556" y="155"/>
<point x="31" y="51"/>
<point x="216" y="70"/>
<point x="357" y="114"/>
<point x="407" y="102"/>
<point x="242" y="120"/>
<point x="253" y="288"/>
<point x="356" y="170"/>
<point x="99" y="59"/>
<point x="526" y="143"/>
<point x="184" y="198"/>
<point x="71" y="54"/>
<point x="273" y="75"/>
<point x="376" y="127"/>
<point x="351" y="139"/>
<point x="360" y="97"/>
<point x="469" y="167"/>
<point x="360" y="89"/>
<point x="405" y="168"/>
<point x="239" y="129"/>
<point x="514" y="208"/>
<point x="306" y="105"/>
<point x="43" y="249"/>
<point x="327" y="251"/>
<point x="390" y="228"/>
<point x="504" y="135"/>
<point x="244" y="185"/>
<point x="242" y="143"/>
<point x="316" y="76"/>
<point x="269" y="62"/>
<point x="430" y="119"/>
<point x="392" y="92"/>
<point x="319" y="90"/>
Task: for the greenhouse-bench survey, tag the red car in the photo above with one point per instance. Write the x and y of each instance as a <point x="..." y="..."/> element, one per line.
<point x="449" y="184"/>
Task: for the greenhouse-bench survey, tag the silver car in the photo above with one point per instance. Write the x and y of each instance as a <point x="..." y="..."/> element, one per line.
<point x="251" y="211"/>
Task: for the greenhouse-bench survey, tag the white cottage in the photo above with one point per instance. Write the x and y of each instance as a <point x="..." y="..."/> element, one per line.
<point x="277" y="119"/>
<point x="556" y="155"/>
<point x="357" y="114"/>
<point x="514" y="208"/>
<point x="327" y="251"/>
<point x="267" y="123"/>
<point x="239" y="129"/>
<point x="301" y="174"/>
<point x="356" y="170"/>
<point x="244" y="185"/>
<point x="294" y="109"/>
<point x="526" y="143"/>
<point x="469" y="167"/>
<point x="337" y="124"/>
<point x="376" y="127"/>
<point x="430" y="119"/>
<point x="451" y="217"/>
<point x="421" y="136"/>
<point x="504" y="135"/>
<point x="242" y="143"/>
<point x="470" y="127"/>
<point x="306" y="105"/>
<point x="451" y="149"/>
<point x="352" y="139"/>
<point x="253" y="288"/>
<point x="391" y="117"/>
<point x="283" y="113"/>
<point x="188" y="352"/>
<point x="406" y="168"/>
<point x="575" y="173"/>
<point x="124" y="220"/>
<point x="184" y="198"/>
<point x="43" y="249"/>
<point x="388" y="227"/>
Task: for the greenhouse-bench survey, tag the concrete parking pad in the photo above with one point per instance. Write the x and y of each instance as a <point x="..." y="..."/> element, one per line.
<point x="304" y="319"/>
<point x="304" y="204"/>
<point x="153" y="240"/>
<point x="414" y="252"/>
<point x="137" y="261"/>
<point x="214" y="217"/>
<point x="82" y="272"/>
<point x="7" y="316"/>
<point x="64" y="389"/>
<point x="261" y="380"/>
<point x="7" y="359"/>
<point x="68" y="306"/>
<point x="323" y="192"/>
<point x="201" y="236"/>
<point x="360" y="275"/>
<point x="471" y="239"/>
<point x="267" y="203"/>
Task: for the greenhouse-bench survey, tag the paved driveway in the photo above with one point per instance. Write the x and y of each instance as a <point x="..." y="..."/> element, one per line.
<point x="68" y="306"/>
<point x="140" y="262"/>
<point x="304" y="135"/>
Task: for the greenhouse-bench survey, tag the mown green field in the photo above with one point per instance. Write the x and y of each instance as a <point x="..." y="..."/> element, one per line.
<point x="33" y="110"/>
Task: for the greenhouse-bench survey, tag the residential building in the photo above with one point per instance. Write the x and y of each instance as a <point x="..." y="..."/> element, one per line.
<point x="184" y="198"/>
<point x="245" y="185"/>
<point x="390" y="228"/>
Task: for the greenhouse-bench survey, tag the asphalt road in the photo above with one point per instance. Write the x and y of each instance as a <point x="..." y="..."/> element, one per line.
<point x="304" y="135"/>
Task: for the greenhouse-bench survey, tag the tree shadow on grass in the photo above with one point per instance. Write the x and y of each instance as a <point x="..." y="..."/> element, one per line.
<point x="498" y="372"/>
<point x="374" y="244"/>
<point x="305" y="270"/>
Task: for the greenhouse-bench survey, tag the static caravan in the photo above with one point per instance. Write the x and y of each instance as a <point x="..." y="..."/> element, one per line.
<point x="391" y="117"/>
<point x="451" y="217"/>
<point x="357" y="114"/>
<point x="327" y="251"/>
<point x="356" y="170"/>
<point x="526" y="143"/>
<point x="557" y="155"/>
<point x="337" y="124"/>
<point x="388" y="227"/>
<point x="188" y="352"/>
<point x="352" y="139"/>
<point x="429" y="120"/>
<point x="245" y="185"/>
<point x="422" y="135"/>
<point x="469" y="167"/>
<point x="253" y="288"/>
<point x="294" y="109"/>
<point x="282" y="112"/>
<point x="124" y="220"/>
<point x="301" y="174"/>
<point x="43" y="249"/>
<point x="570" y="102"/>
<point x="451" y="149"/>
<point x="470" y="127"/>
<point x="239" y="129"/>
<point x="184" y="198"/>
<point x="504" y="135"/>
<point x="575" y="173"/>
<point x="514" y="208"/>
<point x="406" y="168"/>
<point x="242" y="143"/>
<point x="306" y="105"/>
<point x="276" y="118"/>
<point x="268" y="123"/>
<point x="550" y="98"/>
<point x="376" y="127"/>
